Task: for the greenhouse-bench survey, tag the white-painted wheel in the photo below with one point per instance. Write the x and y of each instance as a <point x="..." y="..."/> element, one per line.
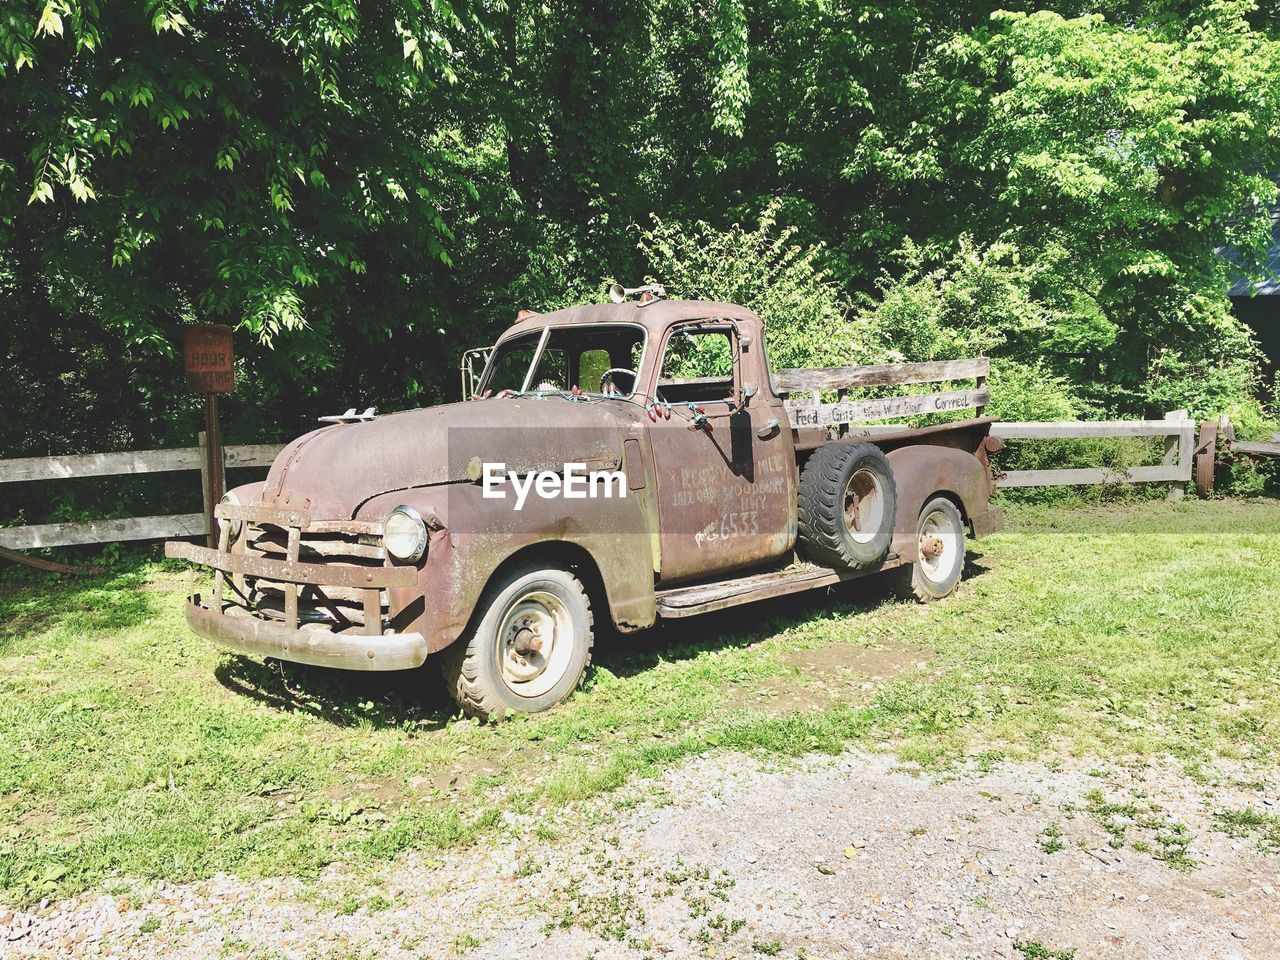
<point x="535" y="643"/>
<point x="528" y="645"/>
<point x="941" y="545"/>
<point x="940" y="551"/>
<point x="864" y="501"/>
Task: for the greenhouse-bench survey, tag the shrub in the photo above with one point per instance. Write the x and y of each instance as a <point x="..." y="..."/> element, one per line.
<point x="807" y="316"/>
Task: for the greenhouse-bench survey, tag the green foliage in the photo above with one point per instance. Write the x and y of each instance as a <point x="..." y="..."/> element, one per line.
<point x="367" y="190"/>
<point x="977" y="302"/>
<point x="766" y="269"/>
<point x="1029" y="392"/>
<point x="1205" y="388"/>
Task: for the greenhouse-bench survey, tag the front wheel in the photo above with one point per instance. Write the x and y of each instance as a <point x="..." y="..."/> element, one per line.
<point x="940" y="553"/>
<point x="529" y="649"/>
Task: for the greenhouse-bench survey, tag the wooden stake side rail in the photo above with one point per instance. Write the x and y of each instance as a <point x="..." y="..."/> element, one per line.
<point x="811" y="412"/>
<point x="38" y="536"/>
<point x="805" y="414"/>
<point x="809" y="379"/>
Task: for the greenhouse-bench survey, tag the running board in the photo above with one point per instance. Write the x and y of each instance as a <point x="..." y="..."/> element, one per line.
<point x="699" y="598"/>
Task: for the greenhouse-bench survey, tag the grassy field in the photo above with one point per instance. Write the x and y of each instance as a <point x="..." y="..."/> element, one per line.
<point x="131" y="749"/>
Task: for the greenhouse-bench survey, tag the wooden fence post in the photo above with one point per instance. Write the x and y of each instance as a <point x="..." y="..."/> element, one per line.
<point x="205" y="499"/>
<point x="1179" y="449"/>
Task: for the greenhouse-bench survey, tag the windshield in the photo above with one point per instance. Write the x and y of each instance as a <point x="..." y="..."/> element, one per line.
<point x="599" y="360"/>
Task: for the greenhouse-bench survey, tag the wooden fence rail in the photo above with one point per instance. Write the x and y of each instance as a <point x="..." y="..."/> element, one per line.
<point x="37" y="536"/>
<point x="1177" y="429"/>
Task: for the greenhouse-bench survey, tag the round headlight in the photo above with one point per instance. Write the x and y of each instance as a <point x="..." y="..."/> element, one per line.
<point x="230" y="499"/>
<point x="404" y="535"/>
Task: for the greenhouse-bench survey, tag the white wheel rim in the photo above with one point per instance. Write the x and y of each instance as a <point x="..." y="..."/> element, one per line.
<point x="863" y="506"/>
<point x="535" y="643"/>
<point x="939" y="527"/>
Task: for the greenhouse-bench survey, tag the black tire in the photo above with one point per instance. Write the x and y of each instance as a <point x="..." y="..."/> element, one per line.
<point x="482" y="668"/>
<point x="931" y="578"/>
<point x="827" y="493"/>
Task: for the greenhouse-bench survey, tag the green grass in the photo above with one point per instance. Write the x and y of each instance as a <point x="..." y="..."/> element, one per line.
<point x="1248" y="822"/>
<point x="1034" y="950"/>
<point x="131" y="749"/>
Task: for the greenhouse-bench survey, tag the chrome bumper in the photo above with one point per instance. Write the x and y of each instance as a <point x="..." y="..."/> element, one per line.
<point x="245" y="633"/>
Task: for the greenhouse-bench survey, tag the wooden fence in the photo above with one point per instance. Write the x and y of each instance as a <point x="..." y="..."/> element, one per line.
<point x="1177" y="429"/>
<point x="1177" y="469"/>
<point x="119" y="464"/>
<point x="811" y="411"/>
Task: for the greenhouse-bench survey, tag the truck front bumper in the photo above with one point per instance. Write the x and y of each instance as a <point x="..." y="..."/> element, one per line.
<point x="245" y="633"/>
<point x="299" y="629"/>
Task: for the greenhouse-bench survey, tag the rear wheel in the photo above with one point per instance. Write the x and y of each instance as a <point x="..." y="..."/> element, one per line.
<point x="940" y="553"/>
<point x="846" y="504"/>
<point x="529" y="649"/>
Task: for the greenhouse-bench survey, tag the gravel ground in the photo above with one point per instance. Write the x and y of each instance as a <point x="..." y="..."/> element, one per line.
<point x="830" y="857"/>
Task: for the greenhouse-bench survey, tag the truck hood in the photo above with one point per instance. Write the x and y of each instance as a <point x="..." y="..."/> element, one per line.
<point x="330" y="472"/>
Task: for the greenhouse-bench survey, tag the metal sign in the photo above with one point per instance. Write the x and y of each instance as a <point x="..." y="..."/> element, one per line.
<point x="207" y="351"/>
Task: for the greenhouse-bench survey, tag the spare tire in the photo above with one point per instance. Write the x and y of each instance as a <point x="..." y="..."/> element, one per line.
<point x="846" y="505"/>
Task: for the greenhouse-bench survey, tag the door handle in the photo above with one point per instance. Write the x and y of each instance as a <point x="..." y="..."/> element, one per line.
<point x="769" y="430"/>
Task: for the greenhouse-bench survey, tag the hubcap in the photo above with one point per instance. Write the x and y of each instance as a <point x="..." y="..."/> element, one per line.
<point x="535" y="643"/>
<point x="863" y="505"/>
<point x="940" y="543"/>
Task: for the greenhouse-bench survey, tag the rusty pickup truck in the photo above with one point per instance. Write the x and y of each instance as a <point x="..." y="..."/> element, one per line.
<point x="676" y="474"/>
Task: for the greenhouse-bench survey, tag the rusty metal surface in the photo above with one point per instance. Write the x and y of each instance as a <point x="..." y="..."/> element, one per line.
<point x="689" y="601"/>
<point x="1206" y="457"/>
<point x="708" y="495"/>
<point x="346" y="651"/>
<point x="254" y="512"/>
<point x="40" y="563"/>
<point x="323" y="574"/>
<point x="209" y="366"/>
<point x="922" y="471"/>
<point x="987" y="522"/>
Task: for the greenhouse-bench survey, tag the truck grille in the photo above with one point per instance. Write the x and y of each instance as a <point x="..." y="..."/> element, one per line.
<point x="339" y="608"/>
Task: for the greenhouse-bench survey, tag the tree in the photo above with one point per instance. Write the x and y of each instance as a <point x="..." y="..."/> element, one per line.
<point x="275" y="165"/>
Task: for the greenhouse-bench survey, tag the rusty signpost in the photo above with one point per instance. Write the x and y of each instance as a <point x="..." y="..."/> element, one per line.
<point x="209" y="371"/>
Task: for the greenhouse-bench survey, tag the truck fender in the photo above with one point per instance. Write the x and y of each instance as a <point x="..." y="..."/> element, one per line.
<point x="465" y="551"/>
<point x="922" y="471"/>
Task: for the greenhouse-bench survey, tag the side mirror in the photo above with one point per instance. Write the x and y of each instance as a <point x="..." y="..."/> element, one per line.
<point x="473" y="364"/>
<point x="745" y="395"/>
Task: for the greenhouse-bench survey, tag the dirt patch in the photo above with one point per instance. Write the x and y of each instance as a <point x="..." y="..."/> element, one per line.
<point x="873" y="663"/>
<point x="834" y="671"/>
<point x="370" y="793"/>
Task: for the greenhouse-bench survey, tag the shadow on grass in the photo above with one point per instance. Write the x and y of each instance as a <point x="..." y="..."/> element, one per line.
<point x="418" y="699"/>
<point x="107" y="600"/>
<point x="743" y="626"/>
<point x="397" y="699"/>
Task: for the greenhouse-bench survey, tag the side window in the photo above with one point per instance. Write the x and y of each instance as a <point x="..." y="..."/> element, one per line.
<point x="697" y="365"/>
